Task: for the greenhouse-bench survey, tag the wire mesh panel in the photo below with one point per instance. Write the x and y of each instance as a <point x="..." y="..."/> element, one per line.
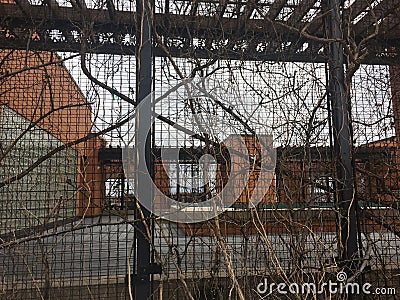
<point x="244" y="244"/>
<point x="63" y="233"/>
<point x="245" y="160"/>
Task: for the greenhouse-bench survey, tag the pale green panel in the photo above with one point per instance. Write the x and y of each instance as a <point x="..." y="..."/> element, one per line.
<point x="45" y="194"/>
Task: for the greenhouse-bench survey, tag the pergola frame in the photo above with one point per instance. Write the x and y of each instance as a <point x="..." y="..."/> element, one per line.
<point x="272" y="37"/>
<point x="373" y="25"/>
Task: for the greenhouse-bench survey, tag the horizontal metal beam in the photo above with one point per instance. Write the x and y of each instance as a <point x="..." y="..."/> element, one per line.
<point x="42" y="17"/>
<point x="63" y="28"/>
<point x="362" y="153"/>
<point x="201" y="53"/>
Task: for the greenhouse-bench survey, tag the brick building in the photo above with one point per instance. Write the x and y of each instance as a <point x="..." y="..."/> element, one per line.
<point x="42" y="109"/>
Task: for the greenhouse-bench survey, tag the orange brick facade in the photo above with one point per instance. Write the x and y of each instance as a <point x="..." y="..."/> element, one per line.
<point x="39" y="93"/>
<point x="43" y="91"/>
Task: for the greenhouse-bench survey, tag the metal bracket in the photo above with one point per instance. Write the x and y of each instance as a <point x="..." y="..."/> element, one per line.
<point x="153" y="268"/>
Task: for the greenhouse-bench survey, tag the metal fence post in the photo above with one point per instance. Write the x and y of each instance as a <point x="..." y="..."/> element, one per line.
<point x="342" y="139"/>
<point x="143" y="122"/>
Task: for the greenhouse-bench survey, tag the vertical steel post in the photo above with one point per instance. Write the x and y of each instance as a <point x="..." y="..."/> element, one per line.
<point x="143" y="123"/>
<point x="342" y="139"/>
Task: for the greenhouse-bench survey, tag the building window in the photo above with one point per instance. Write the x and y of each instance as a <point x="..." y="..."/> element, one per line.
<point x="321" y="189"/>
<point x="191" y="181"/>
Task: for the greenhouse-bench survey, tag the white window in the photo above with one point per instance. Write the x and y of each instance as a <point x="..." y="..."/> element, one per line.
<point x="191" y="178"/>
<point x="322" y="189"/>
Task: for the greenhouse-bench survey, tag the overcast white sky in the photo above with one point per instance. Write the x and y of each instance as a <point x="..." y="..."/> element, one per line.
<point x="274" y="98"/>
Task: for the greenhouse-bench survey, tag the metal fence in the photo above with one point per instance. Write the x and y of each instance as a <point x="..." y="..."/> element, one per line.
<point x="245" y="150"/>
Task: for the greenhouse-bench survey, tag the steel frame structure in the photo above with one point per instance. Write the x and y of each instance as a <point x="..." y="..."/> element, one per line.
<point x="52" y="27"/>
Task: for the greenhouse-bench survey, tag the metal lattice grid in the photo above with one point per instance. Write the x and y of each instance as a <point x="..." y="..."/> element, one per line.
<point x="70" y="224"/>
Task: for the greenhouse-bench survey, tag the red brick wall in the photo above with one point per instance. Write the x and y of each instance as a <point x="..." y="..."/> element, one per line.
<point x="39" y="91"/>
